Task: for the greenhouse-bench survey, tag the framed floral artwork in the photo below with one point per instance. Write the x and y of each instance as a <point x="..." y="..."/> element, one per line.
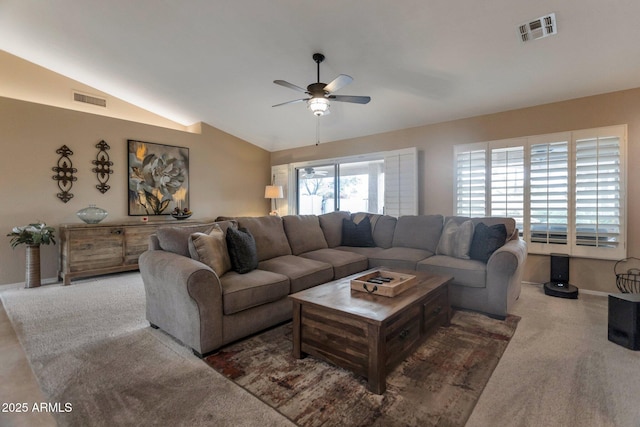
<point x="158" y="178"/>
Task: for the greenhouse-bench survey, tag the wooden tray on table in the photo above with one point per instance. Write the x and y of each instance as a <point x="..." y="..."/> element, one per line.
<point x="383" y="282"/>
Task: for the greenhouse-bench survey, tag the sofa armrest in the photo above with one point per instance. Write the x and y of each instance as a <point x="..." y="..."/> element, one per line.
<point x="184" y="298"/>
<point x="504" y="275"/>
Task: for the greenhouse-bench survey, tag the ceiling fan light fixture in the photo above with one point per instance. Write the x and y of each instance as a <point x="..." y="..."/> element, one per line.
<point x="319" y="106"/>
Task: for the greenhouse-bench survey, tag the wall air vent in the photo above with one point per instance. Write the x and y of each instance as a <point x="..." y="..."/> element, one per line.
<point x="89" y="99"/>
<point x="538" y="28"/>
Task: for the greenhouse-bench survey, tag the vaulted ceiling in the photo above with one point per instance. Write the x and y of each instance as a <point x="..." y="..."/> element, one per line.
<point x="421" y="61"/>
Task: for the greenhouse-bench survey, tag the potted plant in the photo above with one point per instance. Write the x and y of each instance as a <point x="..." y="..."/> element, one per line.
<point x="32" y="235"/>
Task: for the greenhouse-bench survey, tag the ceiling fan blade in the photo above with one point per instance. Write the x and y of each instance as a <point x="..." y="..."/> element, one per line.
<point x="295" y="101"/>
<point x="339" y="82"/>
<point x="290" y="85"/>
<point x="350" y="98"/>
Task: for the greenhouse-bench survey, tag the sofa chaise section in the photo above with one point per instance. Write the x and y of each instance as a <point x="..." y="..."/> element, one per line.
<point x="491" y="287"/>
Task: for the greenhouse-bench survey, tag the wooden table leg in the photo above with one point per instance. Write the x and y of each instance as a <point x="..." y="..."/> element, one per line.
<point x="377" y="361"/>
<point x="297" y="330"/>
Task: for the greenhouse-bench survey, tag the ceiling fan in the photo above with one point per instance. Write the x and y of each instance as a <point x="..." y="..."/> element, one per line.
<point x="311" y="173"/>
<point x="320" y="93"/>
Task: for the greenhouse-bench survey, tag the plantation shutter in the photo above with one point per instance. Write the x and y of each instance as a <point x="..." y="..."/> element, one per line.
<point x="549" y="192"/>
<point x="507" y="183"/>
<point x="280" y="176"/>
<point x="470" y="166"/>
<point x="598" y="191"/>
<point x="401" y="182"/>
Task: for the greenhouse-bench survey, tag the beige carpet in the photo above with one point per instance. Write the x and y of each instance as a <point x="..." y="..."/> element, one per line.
<point x="90" y="345"/>
<point x="560" y="369"/>
<point x="437" y="385"/>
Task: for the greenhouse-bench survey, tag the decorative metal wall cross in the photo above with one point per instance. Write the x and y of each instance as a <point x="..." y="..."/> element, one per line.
<point x="65" y="173"/>
<point x="103" y="166"/>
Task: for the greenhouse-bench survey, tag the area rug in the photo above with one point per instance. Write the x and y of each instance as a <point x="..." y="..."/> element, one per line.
<point x="438" y="385"/>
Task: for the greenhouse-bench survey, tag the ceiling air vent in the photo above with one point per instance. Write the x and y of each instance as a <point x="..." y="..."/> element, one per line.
<point x="89" y="99"/>
<point x="538" y="28"/>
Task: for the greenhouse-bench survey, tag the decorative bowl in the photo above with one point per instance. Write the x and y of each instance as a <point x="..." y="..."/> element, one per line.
<point x="181" y="216"/>
<point x="92" y="214"/>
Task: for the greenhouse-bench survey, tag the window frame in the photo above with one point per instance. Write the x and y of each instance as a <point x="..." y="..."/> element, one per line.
<point x="406" y="175"/>
<point x="572" y="247"/>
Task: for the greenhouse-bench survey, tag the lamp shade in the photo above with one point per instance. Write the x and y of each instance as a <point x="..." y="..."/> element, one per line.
<point x="273" y="192"/>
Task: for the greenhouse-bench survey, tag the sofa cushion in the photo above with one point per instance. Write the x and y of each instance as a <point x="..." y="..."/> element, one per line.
<point x="331" y="224"/>
<point x="242" y="250"/>
<point x="243" y="291"/>
<point x="418" y="231"/>
<point x="398" y="257"/>
<point x="303" y="273"/>
<point x="211" y="249"/>
<point x="456" y="239"/>
<point x="487" y="240"/>
<point x="382" y="227"/>
<point x="268" y="231"/>
<point x="465" y="272"/>
<point x="176" y="238"/>
<point x="357" y="234"/>
<point x="343" y="263"/>
<point x="304" y="233"/>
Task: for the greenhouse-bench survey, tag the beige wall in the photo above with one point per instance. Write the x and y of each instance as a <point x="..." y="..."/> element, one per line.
<point x="227" y="175"/>
<point x="435" y="144"/>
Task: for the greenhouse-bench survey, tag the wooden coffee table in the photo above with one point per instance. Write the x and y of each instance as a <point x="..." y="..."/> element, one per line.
<point x="366" y="333"/>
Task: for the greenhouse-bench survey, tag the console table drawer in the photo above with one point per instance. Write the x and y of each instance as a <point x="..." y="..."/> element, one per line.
<point x="91" y="249"/>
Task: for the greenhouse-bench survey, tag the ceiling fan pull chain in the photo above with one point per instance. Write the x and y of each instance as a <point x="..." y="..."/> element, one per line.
<point x="317" y="130"/>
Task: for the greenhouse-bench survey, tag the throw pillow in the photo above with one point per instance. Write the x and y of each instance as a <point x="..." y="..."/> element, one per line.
<point x="456" y="239"/>
<point x="242" y="250"/>
<point x="486" y="240"/>
<point x="211" y="249"/>
<point x="176" y="238"/>
<point x="357" y="234"/>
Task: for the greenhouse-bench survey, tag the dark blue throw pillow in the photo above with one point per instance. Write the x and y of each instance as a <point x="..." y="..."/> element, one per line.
<point x="486" y="240"/>
<point x="357" y="234"/>
<point x="242" y="250"/>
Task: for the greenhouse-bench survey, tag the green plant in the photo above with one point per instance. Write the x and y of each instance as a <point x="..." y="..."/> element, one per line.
<point x="32" y="234"/>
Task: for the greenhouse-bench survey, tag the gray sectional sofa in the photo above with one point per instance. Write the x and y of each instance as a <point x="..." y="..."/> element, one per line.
<point x="205" y="309"/>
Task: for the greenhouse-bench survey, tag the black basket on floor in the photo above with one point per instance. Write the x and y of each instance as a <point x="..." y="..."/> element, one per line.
<point x="629" y="281"/>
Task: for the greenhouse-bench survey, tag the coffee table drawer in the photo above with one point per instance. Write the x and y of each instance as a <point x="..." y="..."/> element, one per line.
<point x="436" y="312"/>
<point x="402" y="334"/>
<point x="341" y="340"/>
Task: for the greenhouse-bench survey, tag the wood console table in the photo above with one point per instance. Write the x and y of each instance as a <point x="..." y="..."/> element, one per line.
<point x="94" y="249"/>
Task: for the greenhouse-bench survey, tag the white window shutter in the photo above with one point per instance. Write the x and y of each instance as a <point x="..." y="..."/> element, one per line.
<point x="470" y="185"/>
<point x="280" y="176"/>
<point x="599" y="193"/>
<point x="549" y="172"/>
<point x="401" y="182"/>
<point x="507" y="183"/>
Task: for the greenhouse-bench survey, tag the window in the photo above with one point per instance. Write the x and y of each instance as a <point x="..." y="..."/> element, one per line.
<point x="566" y="191"/>
<point x="384" y="183"/>
<point x="316" y="189"/>
<point x="507" y="183"/>
<point x="549" y="192"/>
<point x="470" y="182"/>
